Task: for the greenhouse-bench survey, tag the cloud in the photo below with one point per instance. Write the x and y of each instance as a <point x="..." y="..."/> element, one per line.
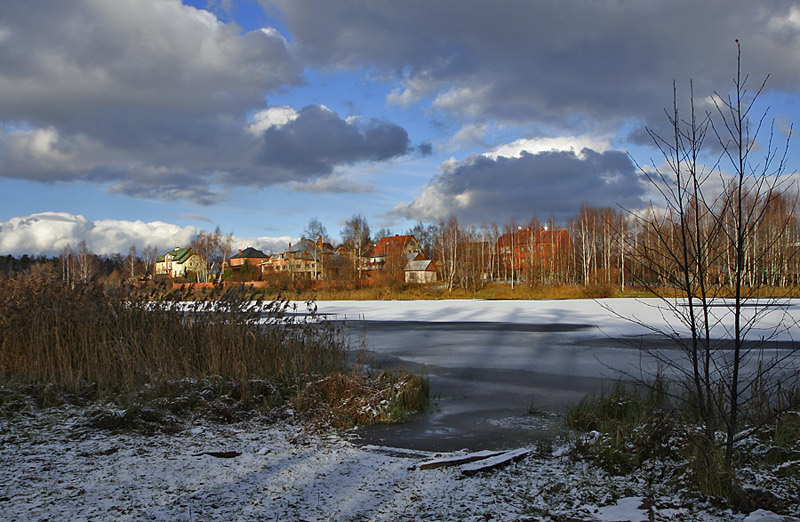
<point x="335" y="183"/>
<point x="197" y="217"/>
<point x="268" y="245"/>
<point x="48" y="233"/>
<point x="317" y="140"/>
<point x="573" y="66"/>
<point x="273" y="117"/>
<point x="575" y="144"/>
<point x="470" y="135"/>
<point x="555" y="182"/>
<point x="154" y="98"/>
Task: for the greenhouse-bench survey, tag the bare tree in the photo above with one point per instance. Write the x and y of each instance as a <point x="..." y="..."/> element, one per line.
<point x="356" y="237"/>
<point x="149" y="257"/>
<point x="85" y="264"/>
<point x="66" y="262"/>
<point x="130" y="263"/>
<point x="705" y="246"/>
<point x="215" y="247"/>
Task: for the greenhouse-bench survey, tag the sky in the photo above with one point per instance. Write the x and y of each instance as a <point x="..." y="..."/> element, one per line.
<point x="142" y="122"/>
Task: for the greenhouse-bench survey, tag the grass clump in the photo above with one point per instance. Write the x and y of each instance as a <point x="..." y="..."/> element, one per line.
<point x="346" y="400"/>
<point x="627" y="427"/>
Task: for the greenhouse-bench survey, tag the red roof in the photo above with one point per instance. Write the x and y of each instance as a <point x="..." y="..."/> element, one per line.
<point x="390" y="245"/>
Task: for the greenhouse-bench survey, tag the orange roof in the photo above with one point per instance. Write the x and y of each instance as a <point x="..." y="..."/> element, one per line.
<point x="390" y="245"/>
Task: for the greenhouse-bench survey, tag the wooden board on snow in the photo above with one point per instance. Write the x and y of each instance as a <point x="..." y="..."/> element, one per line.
<point x="457" y="460"/>
<point x="495" y="462"/>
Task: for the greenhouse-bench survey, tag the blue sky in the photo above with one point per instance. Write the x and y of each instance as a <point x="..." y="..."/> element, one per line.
<point x="140" y="122"/>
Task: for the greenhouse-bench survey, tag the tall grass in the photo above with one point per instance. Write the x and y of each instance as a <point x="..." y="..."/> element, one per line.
<point x="111" y="341"/>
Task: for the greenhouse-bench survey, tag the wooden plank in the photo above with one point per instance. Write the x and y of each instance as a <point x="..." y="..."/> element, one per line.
<point x="494" y="462"/>
<point x="457" y="460"/>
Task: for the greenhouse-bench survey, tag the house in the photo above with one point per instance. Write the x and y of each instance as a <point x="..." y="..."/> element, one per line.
<point x="530" y="247"/>
<point x="246" y="261"/>
<point x="249" y="256"/>
<point x="395" y="250"/>
<point x="305" y="259"/>
<point x="182" y="262"/>
<point x="420" y="271"/>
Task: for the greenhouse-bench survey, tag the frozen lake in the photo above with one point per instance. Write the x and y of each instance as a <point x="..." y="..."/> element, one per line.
<point x="498" y="370"/>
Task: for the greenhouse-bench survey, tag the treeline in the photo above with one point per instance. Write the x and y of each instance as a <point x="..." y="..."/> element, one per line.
<point x="77" y="265"/>
<point x="607" y="246"/>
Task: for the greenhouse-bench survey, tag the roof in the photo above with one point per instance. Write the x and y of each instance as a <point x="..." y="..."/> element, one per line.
<point x="391" y="245"/>
<point x="179" y="255"/>
<point x="250" y="253"/>
<point x="420" y="265"/>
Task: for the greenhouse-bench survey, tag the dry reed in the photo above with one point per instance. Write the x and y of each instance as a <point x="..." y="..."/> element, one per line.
<point x="88" y="337"/>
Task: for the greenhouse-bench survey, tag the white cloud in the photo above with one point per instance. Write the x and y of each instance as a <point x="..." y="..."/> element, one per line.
<point x="273" y="117"/>
<point x="414" y="90"/>
<point x="48" y="233"/>
<point x="562" y="143"/>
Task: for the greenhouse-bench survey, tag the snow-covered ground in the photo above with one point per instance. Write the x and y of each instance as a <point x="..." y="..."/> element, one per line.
<point x="53" y="468"/>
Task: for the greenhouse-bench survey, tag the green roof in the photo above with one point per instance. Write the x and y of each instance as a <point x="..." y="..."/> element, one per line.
<point x="179" y="255"/>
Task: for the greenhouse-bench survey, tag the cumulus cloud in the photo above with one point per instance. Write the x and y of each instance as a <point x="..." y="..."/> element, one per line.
<point x="272" y="117"/>
<point x="572" y="64"/>
<point x="575" y="144"/>
<point x="154" y="98"/>
<point x="48" y="233"/>
<point x="317" y="140"/>
<point x="554" y="182"/>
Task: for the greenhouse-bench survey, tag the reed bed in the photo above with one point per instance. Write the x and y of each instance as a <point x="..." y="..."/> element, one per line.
<point x="136" y="349"/>
<point x="112" y="341"/>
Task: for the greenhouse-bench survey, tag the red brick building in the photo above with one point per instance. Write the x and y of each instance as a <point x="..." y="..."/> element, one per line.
<point x="532" y="247"/>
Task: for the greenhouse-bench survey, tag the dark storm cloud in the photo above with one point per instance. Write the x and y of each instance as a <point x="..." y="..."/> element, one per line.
<point x="544" y="184"/>
<point x="562" y="63"/>
<point x="319" y="140"/>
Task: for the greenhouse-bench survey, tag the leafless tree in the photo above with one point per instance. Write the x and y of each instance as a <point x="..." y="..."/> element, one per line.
<point x="706" y="246"/>
<point x="85" y="263"/>
<point x="130" y="262"/>
<point x="356" y="237"/>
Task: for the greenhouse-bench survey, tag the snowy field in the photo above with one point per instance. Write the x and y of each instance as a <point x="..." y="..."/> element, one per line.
<point x="52" y="467"/>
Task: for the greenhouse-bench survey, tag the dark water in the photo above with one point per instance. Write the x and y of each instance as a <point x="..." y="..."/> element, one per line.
<point x="493" y="385"/>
